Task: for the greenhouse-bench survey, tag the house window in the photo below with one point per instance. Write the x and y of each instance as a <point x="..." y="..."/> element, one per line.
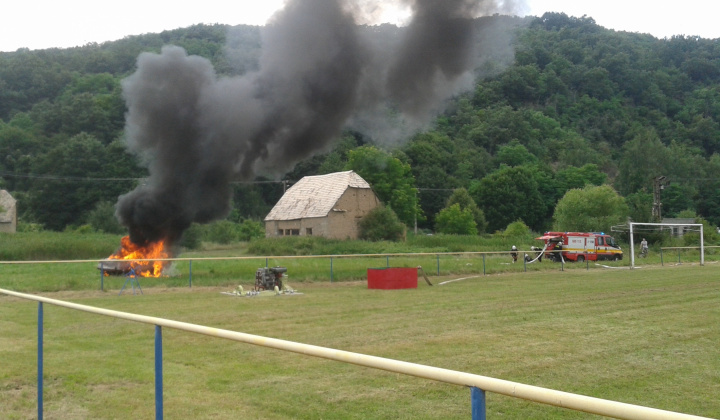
<point x="308" y="231"/>
<point x="280" y="232"/>
<point x="295" y="232"/>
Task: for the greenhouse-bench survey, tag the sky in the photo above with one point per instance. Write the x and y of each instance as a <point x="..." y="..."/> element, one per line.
<point x="43" y="24"/>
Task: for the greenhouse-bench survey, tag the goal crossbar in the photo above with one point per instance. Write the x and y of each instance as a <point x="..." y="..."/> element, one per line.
<point x="632" y="242"/>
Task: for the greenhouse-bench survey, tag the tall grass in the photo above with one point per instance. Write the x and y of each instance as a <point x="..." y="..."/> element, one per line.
<point x="41" y="246"/>
<point x="304" y="245"/>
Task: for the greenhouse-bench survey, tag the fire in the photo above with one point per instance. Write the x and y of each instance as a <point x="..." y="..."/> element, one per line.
<point x="131" y="251"/>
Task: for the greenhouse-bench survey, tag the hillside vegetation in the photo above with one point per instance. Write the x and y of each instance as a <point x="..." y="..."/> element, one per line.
<point x="580" y="105"/>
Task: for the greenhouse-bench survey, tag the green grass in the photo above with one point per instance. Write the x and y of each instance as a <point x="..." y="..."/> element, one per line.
<point x="647" y="336"/>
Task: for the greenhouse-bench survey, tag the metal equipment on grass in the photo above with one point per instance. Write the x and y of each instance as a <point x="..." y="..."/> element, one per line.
<point x="267" y="278"/>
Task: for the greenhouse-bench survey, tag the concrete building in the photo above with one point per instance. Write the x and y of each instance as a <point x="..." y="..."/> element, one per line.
<point x="8" y="212"/>
<point x="677" y="229"/>
<point x="324" y="205"/>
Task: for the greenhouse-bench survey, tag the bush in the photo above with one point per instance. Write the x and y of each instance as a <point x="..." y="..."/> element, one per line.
<point x="102" y="219"/>
<point x="222" y="232"/>
<point x="455" y="221"/>
<point x="517" y="229"/>
<point x="251" y="229"/>
<point x="191" y="238"/>
<point x="381" y="223"/>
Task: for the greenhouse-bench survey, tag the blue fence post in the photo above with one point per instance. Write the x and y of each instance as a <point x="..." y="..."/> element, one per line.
<point x="158" y="374"/>
<point x="477" y="397"/>
<point x="190" y="276"/>
<point x="331" y="269"/>
<point x="438" y="264"/>
<point x="40" y="362"/>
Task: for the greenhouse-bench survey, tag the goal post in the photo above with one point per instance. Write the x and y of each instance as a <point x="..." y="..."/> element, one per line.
<point x="632" y="242"/>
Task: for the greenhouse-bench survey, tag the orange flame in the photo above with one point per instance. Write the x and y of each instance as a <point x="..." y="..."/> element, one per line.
<point x="131" y="251"/>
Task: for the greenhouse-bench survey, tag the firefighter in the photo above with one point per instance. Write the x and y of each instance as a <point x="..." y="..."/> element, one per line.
<point x="514" y="253"/>
<point x="643" y="248"/>
<point x="538" y="252"/>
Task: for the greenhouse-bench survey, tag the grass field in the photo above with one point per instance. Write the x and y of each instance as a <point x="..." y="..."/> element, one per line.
<point x="647" y="336"/>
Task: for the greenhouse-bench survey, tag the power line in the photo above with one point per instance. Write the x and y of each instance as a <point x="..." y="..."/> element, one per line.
<point x="88" y="179"/>
<point x="64" y="178"/>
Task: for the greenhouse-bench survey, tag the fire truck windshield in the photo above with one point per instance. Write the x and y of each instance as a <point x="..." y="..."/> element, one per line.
<point x="611" y="242"/>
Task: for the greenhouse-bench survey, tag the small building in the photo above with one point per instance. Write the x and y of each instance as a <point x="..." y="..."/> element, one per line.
<point x="677" y="229"/>
<point x="8" y="213"/>
<point x="324" y="205"/>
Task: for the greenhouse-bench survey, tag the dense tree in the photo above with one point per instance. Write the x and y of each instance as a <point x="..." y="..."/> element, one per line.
<point x="591" y="209"/>
<point x="462" y="197"/>
<point x="579" y="105"/>
<point x="390" y="178"/>
<point x="509" y="194"/>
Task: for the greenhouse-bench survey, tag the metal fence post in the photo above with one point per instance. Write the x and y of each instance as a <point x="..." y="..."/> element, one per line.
<point x="190" y="277"/>
<point x="40" y="362"/>
<point x="387" y="261"/>
<point x="158" y="373"/>
<point x="525" y="263"/>
<point x="102" y="277"/>
<point x="483" y="264"/>
<point x="661" y="258"/>
<point x="679" y="262"/>
<point x="331" y="269"/>
<point x="438" y="263"/>
<point x="477" y="398"/>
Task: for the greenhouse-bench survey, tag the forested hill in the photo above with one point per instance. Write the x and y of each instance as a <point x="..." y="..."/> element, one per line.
<point x="579" y="104"/>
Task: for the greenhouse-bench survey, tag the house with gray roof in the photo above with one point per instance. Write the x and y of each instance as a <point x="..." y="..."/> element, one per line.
<point x="324" y="205"/>
<point x="8" y="212"/>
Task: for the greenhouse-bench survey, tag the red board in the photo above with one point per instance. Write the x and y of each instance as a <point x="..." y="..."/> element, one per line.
<point x="392" y="278"/>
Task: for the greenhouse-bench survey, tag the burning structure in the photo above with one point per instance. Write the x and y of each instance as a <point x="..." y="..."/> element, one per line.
<point x="318" y="74"/>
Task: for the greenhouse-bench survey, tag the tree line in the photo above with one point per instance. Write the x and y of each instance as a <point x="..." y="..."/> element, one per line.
<point x="580" y="109"/>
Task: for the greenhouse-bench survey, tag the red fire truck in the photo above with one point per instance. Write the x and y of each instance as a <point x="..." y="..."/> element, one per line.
<point x="580" y="246"/>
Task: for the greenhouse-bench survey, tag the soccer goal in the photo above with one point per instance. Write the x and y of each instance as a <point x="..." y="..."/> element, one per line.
<point x="663" y="226"/>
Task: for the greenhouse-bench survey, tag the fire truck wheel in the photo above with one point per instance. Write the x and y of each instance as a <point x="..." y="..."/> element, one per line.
<point x="580" y="259"/>
<point x="616" y="257"/>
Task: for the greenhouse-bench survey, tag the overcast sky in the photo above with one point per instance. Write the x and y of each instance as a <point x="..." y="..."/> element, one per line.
<point x="63" y="24"/>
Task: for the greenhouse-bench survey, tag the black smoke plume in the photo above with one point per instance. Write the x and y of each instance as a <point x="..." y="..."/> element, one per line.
<point x="318" y="71"/>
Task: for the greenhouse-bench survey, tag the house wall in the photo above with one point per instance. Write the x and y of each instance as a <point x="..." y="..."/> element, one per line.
<point x="8" y="214"/>
<point x="315" y="226"/>
<point x="352" y="206"/>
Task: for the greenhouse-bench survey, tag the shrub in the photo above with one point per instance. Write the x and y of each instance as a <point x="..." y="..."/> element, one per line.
<point x="221" y="232"/>
<point x="381" y="223"/>
<point x="191" y="238"/>
<point x="251" y="229"/>
<point x="102" y="219"/>
<point x="517" y="229"/>
<point x="455" y="221"/>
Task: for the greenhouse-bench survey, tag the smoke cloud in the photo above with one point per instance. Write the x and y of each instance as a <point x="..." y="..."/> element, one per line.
<point x="319" y="72"/>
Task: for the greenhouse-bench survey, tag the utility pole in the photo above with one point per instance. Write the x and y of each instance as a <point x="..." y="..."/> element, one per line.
<point x="658" y="185"/>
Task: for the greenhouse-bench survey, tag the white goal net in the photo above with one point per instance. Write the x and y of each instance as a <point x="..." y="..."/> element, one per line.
<point x="635" y="227"/>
